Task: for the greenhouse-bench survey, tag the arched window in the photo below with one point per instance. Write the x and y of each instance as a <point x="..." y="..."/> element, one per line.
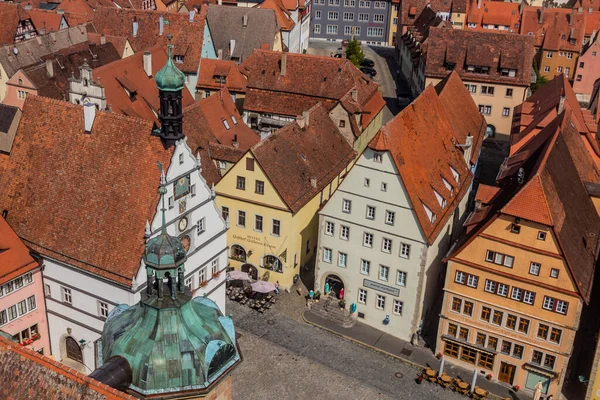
<point x="73" y="350"/>
<point x="272" y="263"/>
<point x="238" y="252"/>
<point x="20" y="82"/>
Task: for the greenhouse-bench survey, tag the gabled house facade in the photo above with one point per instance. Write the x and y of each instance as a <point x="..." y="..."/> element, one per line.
<point x="384" y="231"/>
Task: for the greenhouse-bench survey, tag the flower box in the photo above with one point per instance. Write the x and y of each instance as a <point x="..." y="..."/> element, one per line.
<point x="203" y="284"/>
<point x="216" y="274"/>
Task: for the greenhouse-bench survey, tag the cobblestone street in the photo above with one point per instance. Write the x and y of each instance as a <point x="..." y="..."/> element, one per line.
<point x="288" y="359"/>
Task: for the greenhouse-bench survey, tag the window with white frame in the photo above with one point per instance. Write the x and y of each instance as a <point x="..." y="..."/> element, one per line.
<point x="516" y="294"/>
<point x="505" y="111"/>
<point x="344" y="232"/>
<point x="329" y="228"/>
<point x="365" y="267"/>
<point x="502" y="290"/>
<point x="561" y="306"/>
<point x="489" y="90"/>
<point x="554" y="273"/>
<point x="368" y="240"/>
<point x="499" y="258"/>
<point x="398" y="307"/>
<point x="528" y="297"/>
<point x="346" y="206"/>
<point x="404" y="250"/>
<point x="472" y="281"/>
<point x="383" y="187"/>
<point x="375" y="32"/>
<point x="347" y="32"/>
<point x="241" y="220"/>
<point x="327" y="255"/>
<point x="215" y="265"/>
<point x="389" y="217"/>
<point x="401" y="278"/>
<point x="490" y="286"/>
<point x="348" y="16"/>
<point x="332" y="29"/>
<point x="189" y="282"/>
<point x="276" y="227"/>
<point x="534" y="268"/>
<point x="471" y="88"/>
<point x="378" y="17"/>
<point x="317" y="28"/>
<point x="318" y="14"/>
<point x="384" y="272"/>
<point x="333" y="15"/>
<point x="386" y="245"/>
<point x="201" y="228"/>
<point x="370" y="212"/>
<point x="380" y="302"/>
<point x="460" y="277"/>
<point x="367" y="182"/>
<point x="47" y="290"/>
<point x="202" y="275"/>
<point x="357" y="31"/>
<point x="485" y="109"/>
<point x="548" y="303"/>
<point x="362" y="296"/>
<point x="102" y="309"/>
<point x="342" y="259"/>
<point x="66" y="295"/>
<point x="363" y="17"/>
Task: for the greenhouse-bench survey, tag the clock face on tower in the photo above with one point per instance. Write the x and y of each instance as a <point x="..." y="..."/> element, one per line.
<point x="183" y="223"/>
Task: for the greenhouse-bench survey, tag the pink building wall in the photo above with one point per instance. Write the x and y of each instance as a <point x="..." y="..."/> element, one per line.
<point x="37" y="316"/>
<point x="13" y="86"/>
<point x="585" y="76"/>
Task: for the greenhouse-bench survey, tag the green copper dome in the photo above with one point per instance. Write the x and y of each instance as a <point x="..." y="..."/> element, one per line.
<point x="185" y="346"/>
<point x="164" y="252"/>
<point x="170" y="78"/>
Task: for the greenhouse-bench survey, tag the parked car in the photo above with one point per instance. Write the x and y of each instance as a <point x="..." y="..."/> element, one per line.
<point x="368" y="71"/>
<point x="338" y="55"/>
<point x="367" y="62"/>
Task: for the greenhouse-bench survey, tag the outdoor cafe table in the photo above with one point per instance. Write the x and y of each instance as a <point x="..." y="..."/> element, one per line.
<point x="463" y="385"/>
<point x="446" y="378"/>
<point x="430" y="372"/>
<point x="480" y="391"/>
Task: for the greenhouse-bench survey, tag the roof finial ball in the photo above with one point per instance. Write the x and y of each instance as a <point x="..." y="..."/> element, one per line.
<point x="170" y="82"/>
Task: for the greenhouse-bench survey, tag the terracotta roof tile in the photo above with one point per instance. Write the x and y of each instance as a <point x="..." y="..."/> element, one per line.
<point x="462" y="112"/>
<point x="485" y="193"/>
<point x="530" y="203"/>
<point x="46" y="19"/>
<point x="492" y="50"/>
<point x="410" y="9"/>
<point x="9" y="15"/>
<point x="558" y="27"/>
<point x="494" y="13"/>
<point x="284" y="17"/>
<point x="118" y="41"/>
<point x="408" y="137"/>
<point x="187" y="36"/>
<point x="102" y="178"/>
<point x="292" y="156"/>
<point x="27" y="374"/>
<point x="128" y="73"/>
<point x="8" y="114"/>
<point x="14" y="255"/>
<point x="235" y="81"/>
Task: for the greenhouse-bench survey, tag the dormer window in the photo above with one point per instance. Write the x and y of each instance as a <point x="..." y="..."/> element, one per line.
<point x="508" y="72"/>
<point x="450" y="66"/>
<point x="226" y="124"/>
<point x="440" y="199"/>
<point x="234" y="120"/>
<point x="179" y="58"/>
<point x="448" y="186"/>
<point x="455" y="174"/>
<point x="378" y="158"/>
<point x="572" y="41"/>
<point x="478" y="69"/>
<point x="430" y="214"/>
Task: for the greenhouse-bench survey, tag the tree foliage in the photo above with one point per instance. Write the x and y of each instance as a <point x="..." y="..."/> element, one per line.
<point x="354" y="53"/>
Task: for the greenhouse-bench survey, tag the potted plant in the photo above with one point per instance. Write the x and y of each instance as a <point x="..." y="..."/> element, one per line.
<point x="342" y="304"/>
<point x="516" y="388"/>
<point x="216" y="274"/>
<point x="203" y="284"/>
<point x="488" y="377"/>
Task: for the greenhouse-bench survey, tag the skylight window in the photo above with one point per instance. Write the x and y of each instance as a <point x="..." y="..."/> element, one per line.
<point x="455" y="174"/>
<point x="440" y="199"/>
<point x="234" y="120"/>
<point x="448" y="186"/>
<point x="429" y="213"/>
<point x="226" y="124"/>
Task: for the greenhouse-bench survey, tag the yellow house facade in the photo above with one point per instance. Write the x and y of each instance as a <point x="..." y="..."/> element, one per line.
<point x="271" y="197"/>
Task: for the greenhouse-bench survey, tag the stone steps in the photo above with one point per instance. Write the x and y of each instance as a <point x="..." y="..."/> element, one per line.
<point x="329" y="309"/>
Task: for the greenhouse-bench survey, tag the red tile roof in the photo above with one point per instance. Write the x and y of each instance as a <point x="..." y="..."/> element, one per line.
<point x="485" y="193"/>
<point x="103" y="178"/>
<point x="421" y="141"/>
<point x="15" y="259"/>
<point x="27" y="374"/>
<point x="308" y="79"/>
<point x="493" y="50"/>
<point x="410" y="9"/>
<point x="10" y="17"/>
<point x="293" y="156"/>
<point x="205" y="131"/>
<point x="235" y="81"/>
<point x="558" y="27"/>
<point x="118" y="41"/>
<point x="530" y="117"/>
<point x="188" y="36"/>
<point x="284" y="17"/>
<point x="45" y="19"/>
<point x="552" y="192"/>
<point x="494" y="13"/>
<point x="462" y="112"/>
<point x="128" y="73"/>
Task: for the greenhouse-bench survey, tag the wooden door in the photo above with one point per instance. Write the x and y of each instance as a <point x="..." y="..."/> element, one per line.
<point x="507" y="373"/>
<point x="73" y="350"/>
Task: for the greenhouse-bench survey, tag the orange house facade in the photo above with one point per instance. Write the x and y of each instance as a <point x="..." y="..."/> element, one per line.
<point x="511" y="308"/>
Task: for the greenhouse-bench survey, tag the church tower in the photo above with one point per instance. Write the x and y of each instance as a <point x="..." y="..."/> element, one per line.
<point x="170" y="82"/>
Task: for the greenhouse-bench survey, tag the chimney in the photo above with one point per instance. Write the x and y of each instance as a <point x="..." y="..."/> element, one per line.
<point x="303" y="120"/>
<point x="354" y="94"/>
<point x="135" y="27"/>
<point x="283" y="64"/>
<point x="102" y="39"/>
<point x="478" y="4"/>
<point x="89" y="114"/>
<point x="148" y="63"/>
<point x="192" y="13"/>
<point x="313" y="182"/>
<point x="161" y="25"/>
<point x="220" y="54"/>
<point x="235" y="143"/>
<point x="231" y="47"/>
<point x="541" y="19"/>
<point x="220" y="2"/>
<point x="50" y="68"/>
<point x="561" y="104"/>
<point x="27" y="7"/>
<point x="245" y="20"/>
<point x="590" y="10"/>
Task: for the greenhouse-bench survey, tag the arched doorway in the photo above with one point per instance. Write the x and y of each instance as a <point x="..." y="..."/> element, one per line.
<point x="490" y="131"/>
<point x="73" y="350"/>
<point x="251" y="270"/>
<point x="336" y="285"/>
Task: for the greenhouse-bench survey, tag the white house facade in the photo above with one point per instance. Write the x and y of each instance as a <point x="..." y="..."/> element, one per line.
<point x="78" y="301"/>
